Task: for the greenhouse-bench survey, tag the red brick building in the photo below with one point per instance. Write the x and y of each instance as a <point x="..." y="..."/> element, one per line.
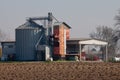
<point x="61" y="33"/>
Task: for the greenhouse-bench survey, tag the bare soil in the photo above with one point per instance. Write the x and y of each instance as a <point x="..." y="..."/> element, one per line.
<point x="59" y="71"/>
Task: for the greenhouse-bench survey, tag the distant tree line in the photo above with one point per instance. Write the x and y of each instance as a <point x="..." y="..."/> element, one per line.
<point x="109" y="34"/>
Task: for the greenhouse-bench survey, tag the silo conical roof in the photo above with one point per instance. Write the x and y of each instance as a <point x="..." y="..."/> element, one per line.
<point x="30" y="25"/>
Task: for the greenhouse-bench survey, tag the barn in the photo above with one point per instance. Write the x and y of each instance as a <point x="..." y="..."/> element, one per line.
<point x="8" y="50"/>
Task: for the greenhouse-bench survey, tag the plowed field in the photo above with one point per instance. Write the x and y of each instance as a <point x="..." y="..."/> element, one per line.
<point x="59" y="71"/>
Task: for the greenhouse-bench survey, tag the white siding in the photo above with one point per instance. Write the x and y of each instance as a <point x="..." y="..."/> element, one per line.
<point x="95" y="42"/>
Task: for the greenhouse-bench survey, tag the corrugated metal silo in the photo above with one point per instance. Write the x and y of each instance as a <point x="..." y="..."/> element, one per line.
<point x="27" y="36"/>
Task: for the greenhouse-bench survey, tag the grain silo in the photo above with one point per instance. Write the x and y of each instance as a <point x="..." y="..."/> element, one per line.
<point x="27" y="37"/>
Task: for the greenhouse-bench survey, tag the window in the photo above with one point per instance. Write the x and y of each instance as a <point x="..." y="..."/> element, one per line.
<point x="10" y="46"/>
<point x="5" y="46"/>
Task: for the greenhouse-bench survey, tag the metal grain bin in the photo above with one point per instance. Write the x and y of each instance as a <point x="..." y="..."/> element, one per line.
<point x="27" y="36"/>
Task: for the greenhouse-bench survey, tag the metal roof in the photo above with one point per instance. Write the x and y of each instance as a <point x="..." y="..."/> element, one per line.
<point x="30" y="25"/>
<point x="59" y="23"/>
<point x="83" y="39"/>
<point x="2" y="42"/>
<point x="79" y="39"/>
<point x="87" y="41"/>
<point x="7" y="41"/>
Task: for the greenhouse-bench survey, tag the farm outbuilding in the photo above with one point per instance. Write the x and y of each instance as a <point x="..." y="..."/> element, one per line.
<point x="61" y="32"/>
<point x="75" y="48"/>
<point x="8" y="50"/>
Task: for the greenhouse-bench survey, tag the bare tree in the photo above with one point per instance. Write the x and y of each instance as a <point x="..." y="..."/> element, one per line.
<point x="2" y="36"/>
<point x="105" y="33"/>
<point x="117" y="18"/>
<point x="116" y="33"/>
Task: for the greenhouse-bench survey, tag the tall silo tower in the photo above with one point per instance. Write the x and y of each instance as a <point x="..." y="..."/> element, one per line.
<point x="27" y="36"/>
<point x="34" y="41"/>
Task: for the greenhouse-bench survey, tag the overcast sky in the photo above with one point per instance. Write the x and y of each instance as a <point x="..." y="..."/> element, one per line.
<point x="82" y="15"/>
